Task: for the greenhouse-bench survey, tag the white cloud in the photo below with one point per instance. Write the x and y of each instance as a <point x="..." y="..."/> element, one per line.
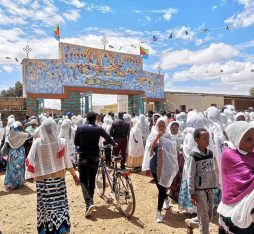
<point x="77" y="3"/>
<point x="39" y="31"/>
<point x="214" y="7"/>
<point x="245" y="18"/>
<point x="214" y="53"/>
<point x="10" y="35"/>
<point x="100" y="8"/>
<point x="137" y="11"/>
<point x="166" y="13"/>
<point x="7" y="68"/>
<point x="246" y="44"/>
<point x="46" y="11"/>
<point x="104" y="9"/>
<point x="228" y="77"/>
<point x="72" y="15"/>
<point x="4" y="19"/>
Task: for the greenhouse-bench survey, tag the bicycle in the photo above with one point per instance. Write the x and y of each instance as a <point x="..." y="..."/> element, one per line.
<point x="119" y="183"/>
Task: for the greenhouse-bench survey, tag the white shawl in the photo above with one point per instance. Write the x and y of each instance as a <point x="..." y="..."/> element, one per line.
<point x="167" y="146"/>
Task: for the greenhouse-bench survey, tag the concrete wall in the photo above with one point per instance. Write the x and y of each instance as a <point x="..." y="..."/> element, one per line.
<point x="192" y="101"/>
<point x="241" y="104"/>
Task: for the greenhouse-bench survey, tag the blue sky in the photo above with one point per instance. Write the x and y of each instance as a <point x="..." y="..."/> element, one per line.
<point x="208" y="58"/>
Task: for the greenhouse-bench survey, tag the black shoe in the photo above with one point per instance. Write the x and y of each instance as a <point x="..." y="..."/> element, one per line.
<point x="89" y="210"/>
<point x="152" y="181"/>
<point x="136" y="169"/>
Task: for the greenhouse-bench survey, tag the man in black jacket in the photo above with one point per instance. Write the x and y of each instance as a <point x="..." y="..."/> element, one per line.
<point x="120" y="131"/>
<point x="87" y="139"/>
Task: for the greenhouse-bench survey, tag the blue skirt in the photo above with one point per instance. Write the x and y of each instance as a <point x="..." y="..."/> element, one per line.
<point x="15" y="170"/>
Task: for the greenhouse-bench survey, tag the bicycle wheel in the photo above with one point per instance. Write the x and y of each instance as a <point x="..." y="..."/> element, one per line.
<point x="100" y="182"/>
<point x="125" y="196"/>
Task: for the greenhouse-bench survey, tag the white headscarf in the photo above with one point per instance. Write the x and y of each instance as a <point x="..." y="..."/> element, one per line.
<point x="107" y="123"/>
<point x="10" y="121"/>
<point x="127" y="117"/>
<point x="67" y="132"/>
<point x="135" y="145"/>
<point x="194" y="120"/>
<point x="230" y="116"/>
<point x="49" y="153"/>
<point x="224" y="120"/>
<point x="214" y="117"/>
<point x="182" y="121"/>
<point x="251" y="116"/>
<point x="235" y="133"/>
<point x="145" y="126"/>
<point x="167" y="147"/>
<point x="179" y="137"/>
<point x="239" y="114"/>
<point x="216" y="128"/>
<point x="16" y="137"/>
<point x="78" y="122"/>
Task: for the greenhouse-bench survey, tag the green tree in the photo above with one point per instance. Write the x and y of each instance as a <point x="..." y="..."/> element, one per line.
<point x="15" y="91"/>
<point x="251" y="91"/>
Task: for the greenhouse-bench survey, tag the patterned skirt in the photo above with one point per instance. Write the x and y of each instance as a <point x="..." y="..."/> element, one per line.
<point x="52" y="207"/>
<point x="176" y="184"/>
<point x="15" y="170"/>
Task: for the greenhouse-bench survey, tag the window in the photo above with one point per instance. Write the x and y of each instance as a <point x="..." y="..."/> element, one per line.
<point x="214" y="105"/>
<point x="183" y="108"/>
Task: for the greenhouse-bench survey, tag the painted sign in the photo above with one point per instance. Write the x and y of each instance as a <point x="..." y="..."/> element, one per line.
<point x="81" y="66"/>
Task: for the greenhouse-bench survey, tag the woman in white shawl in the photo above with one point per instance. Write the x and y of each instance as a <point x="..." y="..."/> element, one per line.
<point x="182" y="121"/>
<point x="237" y="170"/>
<point x="176" y="135"/>
<point x="217" y="129"/>
<point x="161" y="158"/>
<point x="14" y="148"/>
<point x="66" y="132"/>
<point x="194" y="121"/>
<point x="135" y="147"/>
<point x="107" y="123"/>
<point x="47" y="162"/>
<point x="230" y="116"/>
<point x="145" y="128"/>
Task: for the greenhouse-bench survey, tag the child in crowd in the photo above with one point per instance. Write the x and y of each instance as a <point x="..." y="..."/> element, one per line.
<point x="202" y="179"/>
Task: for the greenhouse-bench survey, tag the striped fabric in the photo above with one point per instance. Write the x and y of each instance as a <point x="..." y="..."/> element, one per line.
<point x="52" y="206"/>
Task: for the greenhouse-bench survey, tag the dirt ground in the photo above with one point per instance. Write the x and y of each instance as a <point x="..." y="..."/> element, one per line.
<point x="18" y="211"/>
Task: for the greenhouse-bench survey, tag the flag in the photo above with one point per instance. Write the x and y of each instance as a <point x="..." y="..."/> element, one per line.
<point x="154" y="38"/>
<point x="57" y="32"/>
<point x="144" y="52"/>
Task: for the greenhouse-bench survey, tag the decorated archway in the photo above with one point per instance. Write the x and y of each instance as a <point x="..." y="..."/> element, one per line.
<point x="81" y="69"/>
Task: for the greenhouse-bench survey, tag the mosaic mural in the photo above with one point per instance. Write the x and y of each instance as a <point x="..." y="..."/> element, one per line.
<point x="81" y="66"/>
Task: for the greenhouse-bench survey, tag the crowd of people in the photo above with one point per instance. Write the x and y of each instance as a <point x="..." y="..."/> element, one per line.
<point x="202" y="161"/>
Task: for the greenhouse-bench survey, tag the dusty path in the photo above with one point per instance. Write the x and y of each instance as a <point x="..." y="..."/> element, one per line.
<point x="18" y="211"/>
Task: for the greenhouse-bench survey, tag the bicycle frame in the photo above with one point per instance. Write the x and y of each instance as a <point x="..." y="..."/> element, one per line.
<point x="108" y="176"/>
